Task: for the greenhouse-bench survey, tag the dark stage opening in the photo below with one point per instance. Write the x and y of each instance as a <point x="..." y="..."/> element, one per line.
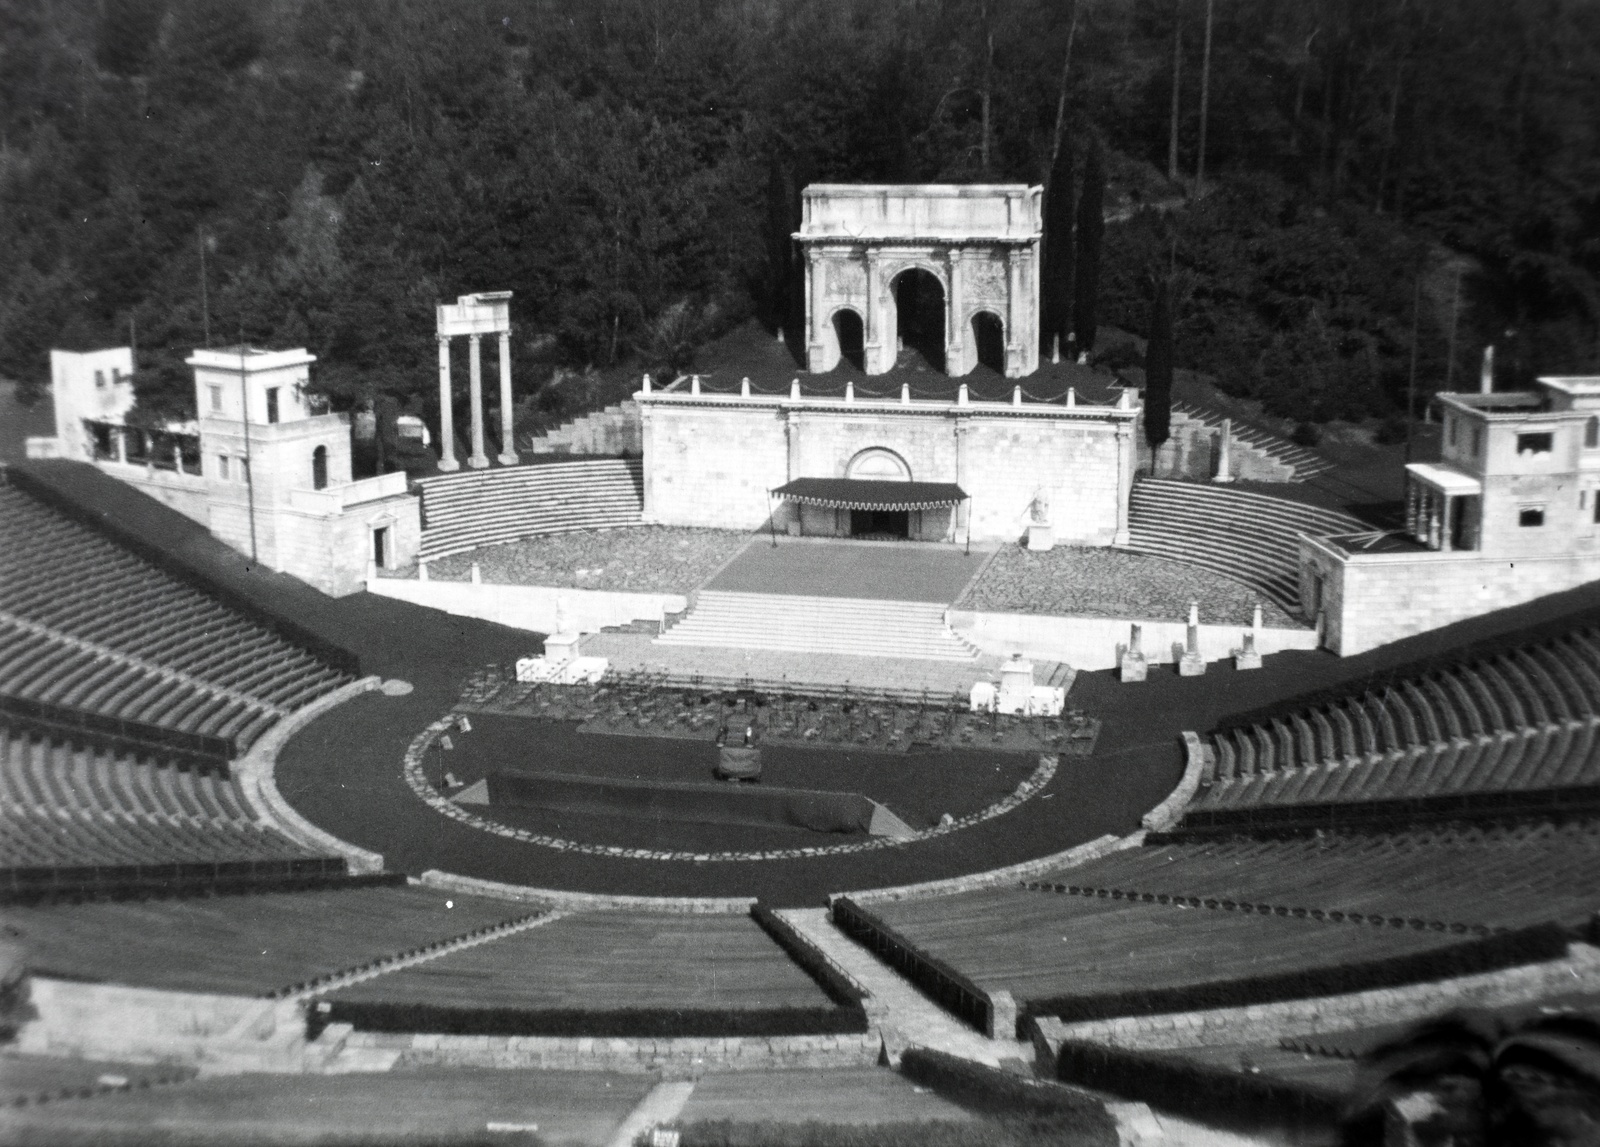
<point x="880" y="523"/>
<point x="989" y="336"/>
<point x="852" y="339"/>
<point x="919" y="306"/>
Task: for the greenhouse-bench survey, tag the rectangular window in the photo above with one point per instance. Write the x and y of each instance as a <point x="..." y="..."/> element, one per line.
<point x="1535" y="443"/>
<point x="1597" y="509"/>
<point x="272" y="404"/>
<point x="216" y="397"/>
<point x="99" y="380"/>
<point x="1477" y="441"/>
<point x="1450" y="429"/>
<point x="222" y="466"/>
<point x="1531" y="516"/>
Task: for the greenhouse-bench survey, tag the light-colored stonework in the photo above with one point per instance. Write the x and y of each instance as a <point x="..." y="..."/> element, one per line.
<point x="1510" y="513"/>
<point x="712" y="459"/>
<point x="981" y="242"/>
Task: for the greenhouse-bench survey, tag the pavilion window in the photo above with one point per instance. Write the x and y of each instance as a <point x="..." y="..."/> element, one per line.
<point x="272" y="404"/>
<point x="1530" y="516"/>
<point x="1591" y="433"/>
<point x="1536" y="443"/>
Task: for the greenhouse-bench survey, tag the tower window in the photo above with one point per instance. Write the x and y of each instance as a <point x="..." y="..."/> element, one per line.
<point x="216" y="397"/>
<point x="1450" y="429"/>
<point x="1531" y="516"/>
<point x="99" y="380"/>
<point x="1477" y="441"/>
<point x="272" y="404"/>
<point x="1591" y="434"/>
<point x="222" y="466"/>
<point x="1536" y="443"/>
<point x="319" y="468"/>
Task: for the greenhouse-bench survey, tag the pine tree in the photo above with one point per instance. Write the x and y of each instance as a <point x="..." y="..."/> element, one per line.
<point x="1056" y="283"/>
<point x="1091" y="237"/>
<point x="1158" y="368"/>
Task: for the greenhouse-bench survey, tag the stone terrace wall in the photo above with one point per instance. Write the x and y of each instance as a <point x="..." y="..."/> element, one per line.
<point x="629" y="1055"/>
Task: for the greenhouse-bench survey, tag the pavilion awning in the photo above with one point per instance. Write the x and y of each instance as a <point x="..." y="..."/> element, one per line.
<point x="865" y="494"/>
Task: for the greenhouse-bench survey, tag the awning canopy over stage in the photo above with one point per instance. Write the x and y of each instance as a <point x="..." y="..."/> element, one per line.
<point x="865" y="494"/>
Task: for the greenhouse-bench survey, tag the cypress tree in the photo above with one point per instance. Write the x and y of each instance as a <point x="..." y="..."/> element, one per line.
<point x="1056" y="283"/>
<point x="1158" y="368"/>
<point x="780" y="247"/>
<point x="1091" y="236"/>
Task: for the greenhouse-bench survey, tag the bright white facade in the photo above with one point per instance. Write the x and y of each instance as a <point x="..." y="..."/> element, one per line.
<point x="979" y="242"/>
<point x="712" y="459"/>
<point x="1510" y="512"/>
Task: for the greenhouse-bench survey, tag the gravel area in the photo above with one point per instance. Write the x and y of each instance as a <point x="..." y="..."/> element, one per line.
<point x="637" y="559"/>
<point x="1098" y="582"/>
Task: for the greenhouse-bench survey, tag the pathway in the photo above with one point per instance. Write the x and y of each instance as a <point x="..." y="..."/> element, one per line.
<point x="906" y="1017"/>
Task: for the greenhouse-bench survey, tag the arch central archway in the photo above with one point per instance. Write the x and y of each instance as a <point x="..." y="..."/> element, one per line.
<point x="851" y="337"/>
<point x="919" y="304"/>
<point x="989" y="339"/>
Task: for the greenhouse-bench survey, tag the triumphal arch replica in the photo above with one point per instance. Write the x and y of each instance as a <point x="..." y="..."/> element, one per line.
<point x="950" y="268"/>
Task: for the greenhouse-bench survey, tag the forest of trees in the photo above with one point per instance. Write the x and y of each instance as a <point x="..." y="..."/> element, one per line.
<point x="329" y="170"/>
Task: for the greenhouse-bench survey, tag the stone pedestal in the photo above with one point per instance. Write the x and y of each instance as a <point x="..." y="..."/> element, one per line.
<point x="1016" y="686"/>
<point x="1191" y="664"/>
<point x="1247" y="656"/>
<point x="1131" y="663"/>
<point x="560" y="648"/>
<point x="1041" y="536"/>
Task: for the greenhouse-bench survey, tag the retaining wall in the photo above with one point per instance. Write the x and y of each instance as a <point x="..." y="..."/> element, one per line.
<point x="1089" y="643"/>
<point x="532" y="607"/>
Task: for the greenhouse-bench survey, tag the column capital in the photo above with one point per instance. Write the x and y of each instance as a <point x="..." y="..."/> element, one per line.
<point x="475" y="337"/>
<point x="444" y="340"/>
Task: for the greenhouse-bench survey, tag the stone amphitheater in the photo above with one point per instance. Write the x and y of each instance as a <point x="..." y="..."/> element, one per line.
<point x="262" y="852"/>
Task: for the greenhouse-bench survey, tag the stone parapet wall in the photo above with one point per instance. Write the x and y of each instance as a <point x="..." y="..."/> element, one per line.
<point x="185" y="493"/>
<point x="1091" y="643"/>
<point x="1373" y="599"/>
<point x="587" y="901"/>
<point x="683" y="1057"/>
<point x="1578" y="971"/>
<point x="532" y="607"/>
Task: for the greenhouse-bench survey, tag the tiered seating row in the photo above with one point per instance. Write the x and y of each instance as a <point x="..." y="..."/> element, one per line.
<point x="66" y="673"/>
<point x="1087" y="957"/>
<point x="1461" y="879"/>
<point x="252" y="944"/>
<point x="480" y="508"/>
<point x="81" y="816"/>
<point x="1540" y="758"/>
<point x="85" y="624"/>
<point x="1249" y="537"/>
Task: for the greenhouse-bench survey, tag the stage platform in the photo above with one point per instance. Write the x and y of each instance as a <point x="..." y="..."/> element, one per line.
<point x="829" y="567"/>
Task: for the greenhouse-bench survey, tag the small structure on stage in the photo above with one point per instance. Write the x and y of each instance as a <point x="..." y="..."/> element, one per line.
<point x="1016" y="694"/>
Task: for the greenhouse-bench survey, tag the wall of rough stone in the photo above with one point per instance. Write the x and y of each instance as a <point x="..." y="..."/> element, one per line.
<point x="1378" y="598"/>
<point x="627" y="1055"/>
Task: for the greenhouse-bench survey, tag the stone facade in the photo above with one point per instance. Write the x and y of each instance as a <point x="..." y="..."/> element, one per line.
<point x="980" y="242"/>
<point x="1510" y="513"/>
<point x="711" y="460"/>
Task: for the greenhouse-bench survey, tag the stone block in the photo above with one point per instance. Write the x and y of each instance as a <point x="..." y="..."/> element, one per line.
<point x="1041" y="536"/>
<point x="1191" y="665"/>
<point x="1133" y="667"/>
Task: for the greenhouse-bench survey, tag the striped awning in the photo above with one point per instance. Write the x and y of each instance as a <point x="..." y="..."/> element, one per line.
<point x="866" y="494"/>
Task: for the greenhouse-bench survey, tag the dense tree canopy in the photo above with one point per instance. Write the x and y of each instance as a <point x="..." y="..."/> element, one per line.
<point x="627" y="167"/>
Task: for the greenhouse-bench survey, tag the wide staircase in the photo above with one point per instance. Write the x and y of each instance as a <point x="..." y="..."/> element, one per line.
<point x="858" y="626"/>
<point x="1249" y="537"/>
<point x="1301" y="460"/>
<point x="475" y="508"/>
<point x="615" y="430"/>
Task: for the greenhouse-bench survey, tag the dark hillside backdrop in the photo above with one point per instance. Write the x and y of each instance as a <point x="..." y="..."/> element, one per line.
<point x="629" y="169"/>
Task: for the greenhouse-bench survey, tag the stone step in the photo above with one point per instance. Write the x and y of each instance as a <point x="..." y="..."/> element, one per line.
<point x="820" y="625"/>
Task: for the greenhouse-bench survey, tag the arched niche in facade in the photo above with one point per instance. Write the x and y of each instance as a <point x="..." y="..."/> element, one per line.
<point x="878" y="464"/>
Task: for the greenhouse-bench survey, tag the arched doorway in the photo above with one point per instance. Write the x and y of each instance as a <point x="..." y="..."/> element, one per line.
<point x="848" y="330"/>
<point x="989" y="337"/>
<point x="919" y="318"/>
<point x="877" y="464"/>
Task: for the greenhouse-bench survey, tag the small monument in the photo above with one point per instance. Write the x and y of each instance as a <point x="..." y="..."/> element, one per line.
<point x="1016" y="685"/>
<point x="1225" y="452"/>
<point x="562" y="645"/>
<point x="1247" y="656"/>
<point x="1040" y="534"/>
<point x="1191" y="664"/>
<point x="1134" y="667"/>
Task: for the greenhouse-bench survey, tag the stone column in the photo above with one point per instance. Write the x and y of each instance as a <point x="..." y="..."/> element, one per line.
<point x="1411" y="507"/>
<point x="478" y="460"/>
<point x="508" y="451"/>
<point x="122" y="445"/>
<point x="963" y="512"/>
<point x="1446" y="504"/>
<point x="872" y="320"/>
<point x="816" y="352"/>
<point x="791" y="427"/>
<point x="447" y="417"/>
<point x="1013" y="289"/>
<point x="955" y="359"/>
<point x="1225" y="452"/>
<point x="1125" y="464"/>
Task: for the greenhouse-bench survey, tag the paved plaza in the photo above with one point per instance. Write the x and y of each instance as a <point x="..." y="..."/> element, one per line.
<point x="891" y="571"/>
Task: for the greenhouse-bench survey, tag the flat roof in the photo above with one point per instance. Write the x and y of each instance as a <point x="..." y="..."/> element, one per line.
<point x="1585" y="384"/>
<point x="1445" y="479"/>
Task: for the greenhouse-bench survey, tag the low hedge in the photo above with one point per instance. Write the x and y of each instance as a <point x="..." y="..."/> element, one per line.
<point x="1485" y="954"/>
<point x="1201" y="1090"/>
<point x="644" y="1023"/>
<point x="989" y="1089"/>
<point x="838" y="986"/>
